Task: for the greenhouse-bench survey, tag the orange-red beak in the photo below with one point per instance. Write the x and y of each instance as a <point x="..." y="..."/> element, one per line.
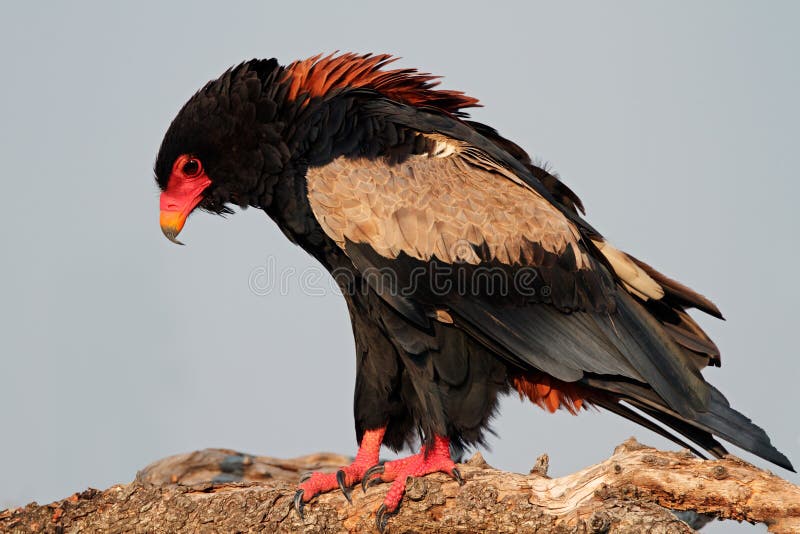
<point x="171" y="224"/>
<point x="178" y="201"/>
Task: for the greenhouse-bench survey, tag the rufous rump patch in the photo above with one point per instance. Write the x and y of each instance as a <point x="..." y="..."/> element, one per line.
<point x="549" y="393"/>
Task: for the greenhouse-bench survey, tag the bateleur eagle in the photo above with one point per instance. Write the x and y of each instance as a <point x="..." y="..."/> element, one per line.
<point x="469" y="272"/>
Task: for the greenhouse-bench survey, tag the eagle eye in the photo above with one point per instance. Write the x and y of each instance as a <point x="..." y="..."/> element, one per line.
<point x="192" y="168"/>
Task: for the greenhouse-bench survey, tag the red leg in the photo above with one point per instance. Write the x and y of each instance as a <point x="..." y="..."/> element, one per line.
<point x="428" y="460"/>
<point x="367" y="456"/>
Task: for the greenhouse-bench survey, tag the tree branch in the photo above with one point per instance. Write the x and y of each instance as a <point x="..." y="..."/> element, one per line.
<point x="225" y="491"/>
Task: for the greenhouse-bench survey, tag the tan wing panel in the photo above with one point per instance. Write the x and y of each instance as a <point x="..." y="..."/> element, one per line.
<point x="438" y="206"/>
<point x="633" y="277"/>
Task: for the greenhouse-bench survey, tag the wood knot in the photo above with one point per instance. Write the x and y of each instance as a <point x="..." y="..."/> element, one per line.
<point x="602" y="492"/>
<point x="719" y="472"/>
<point x="541" y="466"/>
<point x="617" y="468"/>
<point x="416" y="488"/>
<point x="655" y="460"/>
<point x="599" y="523"/>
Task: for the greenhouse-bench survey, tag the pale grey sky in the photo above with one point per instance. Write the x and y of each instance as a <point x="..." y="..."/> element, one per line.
<point x="676" y="123"/>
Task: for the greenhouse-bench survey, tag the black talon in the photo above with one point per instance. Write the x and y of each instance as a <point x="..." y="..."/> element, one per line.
<point x="306" y="476"/>
<point x="457" y="475"/>
<point x="340" y="479"/>
<point x="298" y="503"/>
<point x="377" y="468"/>
<point x="382" y="517"/>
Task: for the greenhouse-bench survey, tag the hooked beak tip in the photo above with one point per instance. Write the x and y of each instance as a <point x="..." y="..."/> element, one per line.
<point x="172" y="224"/>
<point x="171" y="234"/>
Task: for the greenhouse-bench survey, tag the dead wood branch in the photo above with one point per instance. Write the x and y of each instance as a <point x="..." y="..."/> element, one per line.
<point x="225" y="491"/>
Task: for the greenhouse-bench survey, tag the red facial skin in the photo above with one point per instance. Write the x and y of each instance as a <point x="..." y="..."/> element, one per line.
<point x="184" y="192"/>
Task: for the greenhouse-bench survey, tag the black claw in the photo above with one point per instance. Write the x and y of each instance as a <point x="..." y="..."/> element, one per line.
<point x="298" y="503"/>
<point x="457" y="475"/>
<point x="305" y="476"/>
<point x="382" y="517"/>
<point x="375" y="469"/>
<point x="340" y="479"/>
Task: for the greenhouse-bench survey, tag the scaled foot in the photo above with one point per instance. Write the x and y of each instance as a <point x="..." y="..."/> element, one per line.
<point x="428" y="460"/>
<point x="346" y="477"/>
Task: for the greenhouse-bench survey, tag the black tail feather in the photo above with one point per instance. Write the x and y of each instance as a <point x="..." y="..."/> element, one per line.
<point x="614" y="406"/>
<point x="696" y="435"/>
<point x="720" y="420"/>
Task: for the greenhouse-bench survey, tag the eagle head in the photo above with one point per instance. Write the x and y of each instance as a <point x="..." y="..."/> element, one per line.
<point x="223" y="147"/>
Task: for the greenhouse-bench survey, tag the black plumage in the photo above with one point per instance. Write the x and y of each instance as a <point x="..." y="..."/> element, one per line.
<point x="375" y="171"/>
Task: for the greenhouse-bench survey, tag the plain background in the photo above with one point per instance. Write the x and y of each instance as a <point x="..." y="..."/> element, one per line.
<point x="677" y="124"/>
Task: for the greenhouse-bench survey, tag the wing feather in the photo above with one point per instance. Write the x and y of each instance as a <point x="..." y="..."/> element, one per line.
<point x="458" y="207"/>
<point x="447" y="205"/>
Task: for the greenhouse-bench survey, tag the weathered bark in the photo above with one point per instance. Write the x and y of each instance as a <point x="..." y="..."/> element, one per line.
<point x="225" y="491"/>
